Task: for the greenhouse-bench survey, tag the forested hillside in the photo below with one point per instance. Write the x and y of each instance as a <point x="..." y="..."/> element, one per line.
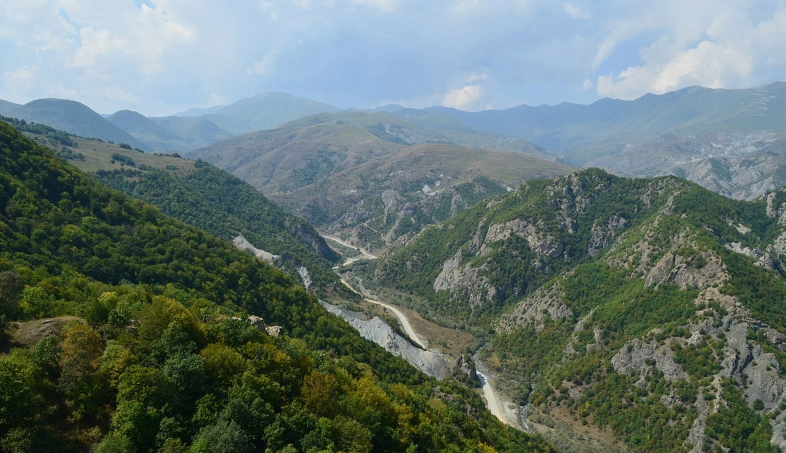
<point x="202" y="196"/>
<point x="157" y="354"/>
<point x="652" y="308"/>
<point x="222" y="204"/>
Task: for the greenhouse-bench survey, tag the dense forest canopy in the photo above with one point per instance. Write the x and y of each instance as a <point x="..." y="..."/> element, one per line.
<point x="153" y="350"/>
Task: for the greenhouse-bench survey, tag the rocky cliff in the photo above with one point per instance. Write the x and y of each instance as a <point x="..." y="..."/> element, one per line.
<point x="620" y="302"/>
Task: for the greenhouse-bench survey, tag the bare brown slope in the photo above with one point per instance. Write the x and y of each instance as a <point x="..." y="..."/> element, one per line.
<point x="376" y="177"/>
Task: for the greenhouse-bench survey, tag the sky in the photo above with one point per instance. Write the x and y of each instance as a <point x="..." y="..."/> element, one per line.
<point x="159" y="57"/>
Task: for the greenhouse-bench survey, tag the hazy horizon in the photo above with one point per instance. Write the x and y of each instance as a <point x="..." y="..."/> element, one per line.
<point x="162" y="57"/>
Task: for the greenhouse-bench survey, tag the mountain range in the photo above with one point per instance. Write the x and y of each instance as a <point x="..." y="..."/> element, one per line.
<point x="692" y="110"/>
<point x="730" y="141"/>
<point x="376" y="178"/>
<point x="616" y="314"/>
<point x="194" y="129"/>
<point x="135" y="332"/>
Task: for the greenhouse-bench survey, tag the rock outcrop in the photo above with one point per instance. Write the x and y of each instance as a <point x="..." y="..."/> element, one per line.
<point x="544" y="302"/>
<point x="454" y="278"/>
<point x="640" y="356"/>
<point x="242" y="243"/>
<point x="382" y="334"/>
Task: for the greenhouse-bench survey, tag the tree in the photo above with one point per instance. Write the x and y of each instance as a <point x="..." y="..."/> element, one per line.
<point x="11" y="286"/>
<point x="84" y="389"/>
<point x="223" y="437"/>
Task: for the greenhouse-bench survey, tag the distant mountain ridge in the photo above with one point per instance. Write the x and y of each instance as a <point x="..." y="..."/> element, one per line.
<point x="6" y="106"/>
<point x="170" y="133"/>
<point x="266" y="111"/>
<point x="199" y="111"/>
<point x="187" y="130"/>
<point x="73" y="117"/>
<point x="376" y="177"/>
<point x="730" y="141"/>
<point x="689" y="110"/>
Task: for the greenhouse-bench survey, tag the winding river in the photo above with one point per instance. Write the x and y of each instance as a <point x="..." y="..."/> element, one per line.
<point x="493" y="402"/>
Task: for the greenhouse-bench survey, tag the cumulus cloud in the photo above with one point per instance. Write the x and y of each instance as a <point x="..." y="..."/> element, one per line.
<point x="730" y="45"/>
<point x="462" y="98"/>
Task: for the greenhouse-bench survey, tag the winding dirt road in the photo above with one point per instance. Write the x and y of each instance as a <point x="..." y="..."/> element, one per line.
<point x="363" y="254"/>
<point x="403" y="319"/>
<point x="491" y="397"/>
<point x="493" y="402"/>
<point x="404" y="322"/>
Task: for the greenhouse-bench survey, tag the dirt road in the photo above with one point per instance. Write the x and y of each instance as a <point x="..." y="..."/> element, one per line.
<point x="495" y="405"/>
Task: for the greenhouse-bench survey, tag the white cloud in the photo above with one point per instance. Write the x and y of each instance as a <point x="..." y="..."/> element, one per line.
<point x="167" y="54"/>
<point x="725" y="47"/>
<point x="462" y="98"/>
<point x="576" y="11"/>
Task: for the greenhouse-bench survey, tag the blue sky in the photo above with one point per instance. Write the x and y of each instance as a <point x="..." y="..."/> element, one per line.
<point x="161" y="56"/>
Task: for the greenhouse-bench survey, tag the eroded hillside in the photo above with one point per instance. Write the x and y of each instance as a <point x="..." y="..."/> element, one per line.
<point x="619" y="303"/>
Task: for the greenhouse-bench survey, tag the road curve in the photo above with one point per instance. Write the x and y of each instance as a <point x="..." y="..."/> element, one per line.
<point x="403" y="319"/>
<point x="492" y="399"/>
<point x="364" y="254"/>
<point x="404" y="322"/>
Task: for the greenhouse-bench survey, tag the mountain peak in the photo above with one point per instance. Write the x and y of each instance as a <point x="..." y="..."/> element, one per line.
<point x="73" y="117"/>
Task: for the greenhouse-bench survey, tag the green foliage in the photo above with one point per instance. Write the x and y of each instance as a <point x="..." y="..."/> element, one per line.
<point x="225" y="206"/>
<point x="736" y="428"/>
<point x="124" y="160"/>
<point x="603" y="296"/>
<point x="162" y="366"/>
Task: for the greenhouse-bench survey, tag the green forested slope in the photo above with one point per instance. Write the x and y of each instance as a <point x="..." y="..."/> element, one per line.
<point x="164" y="359"/>
<point x="222" y="204"/>
<point x="202" y="196"/>
<point x="650" y="307"/>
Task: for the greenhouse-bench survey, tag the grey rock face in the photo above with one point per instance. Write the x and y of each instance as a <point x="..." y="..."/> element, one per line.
<point x="542" y="303"/>
<point x="602" y="235"/>
<point x="455" y="278"/>
<point x="382" y="334"/>
<point x="640" y="356"/>
<point x="542" y="244"/>
<point x="676" y="269"/>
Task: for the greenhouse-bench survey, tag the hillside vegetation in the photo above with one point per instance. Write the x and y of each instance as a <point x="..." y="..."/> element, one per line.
<point x="202" y="196"/>
<point x="165" y="360"/>
<point x="651" y="307"/>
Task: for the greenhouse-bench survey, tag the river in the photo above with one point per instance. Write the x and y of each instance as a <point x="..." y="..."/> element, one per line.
<point x="504" y="412"/>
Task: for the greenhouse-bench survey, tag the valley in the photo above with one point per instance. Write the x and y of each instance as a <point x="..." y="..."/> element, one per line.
<point x="576" y="306"/>
<point x="153" y="322"/>
<point x="385" y="226"/>
<point x="505" y="411"/>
